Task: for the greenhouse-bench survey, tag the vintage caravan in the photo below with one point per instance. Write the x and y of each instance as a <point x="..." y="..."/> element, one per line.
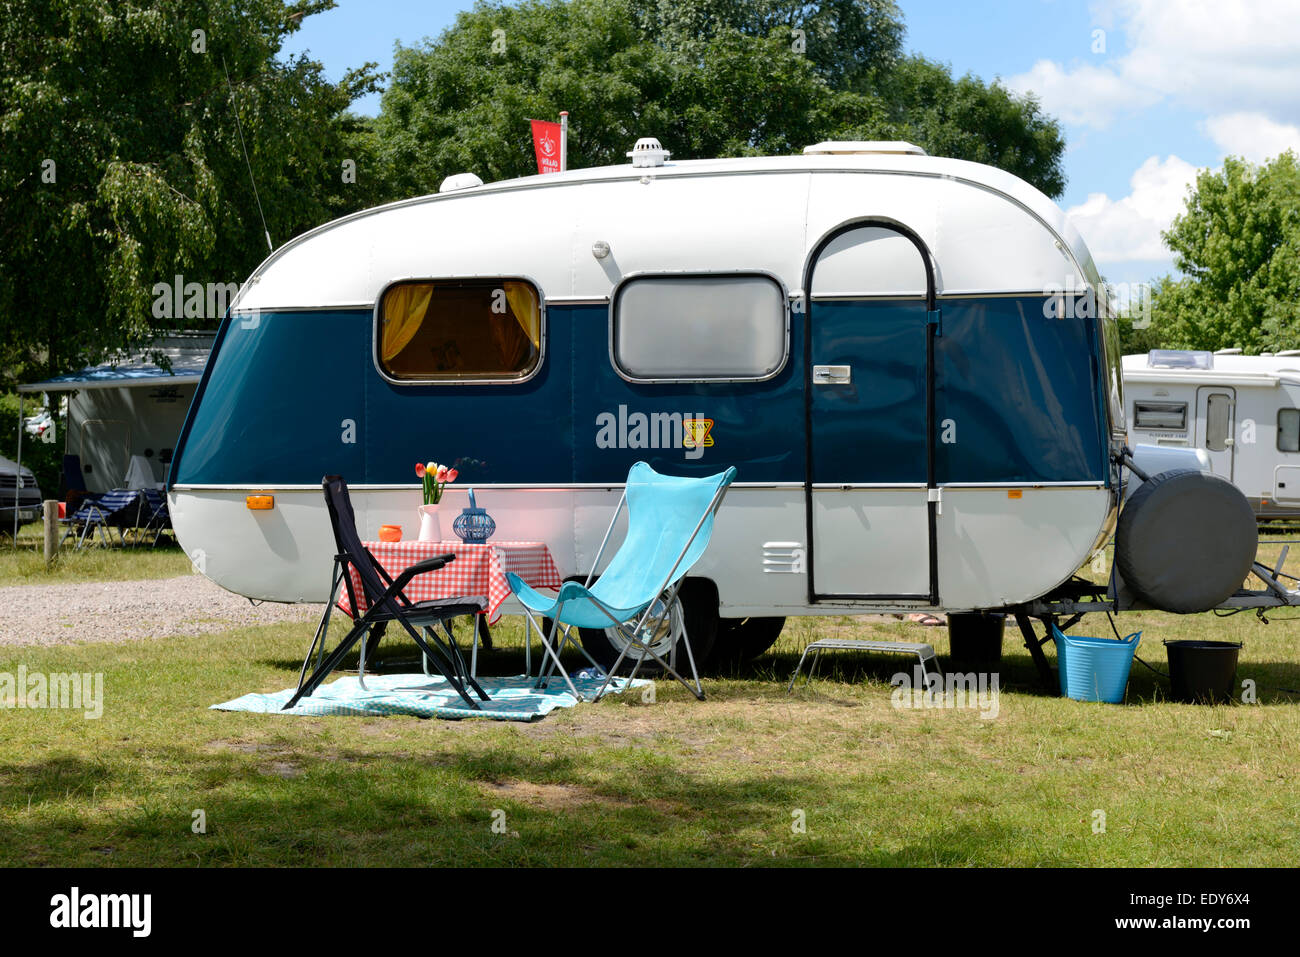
<point x="1242" y="411"/>
<point x="901" y="355"/>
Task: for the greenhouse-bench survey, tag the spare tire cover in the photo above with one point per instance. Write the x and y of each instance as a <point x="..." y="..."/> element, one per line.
<point x="1186" y="540"/>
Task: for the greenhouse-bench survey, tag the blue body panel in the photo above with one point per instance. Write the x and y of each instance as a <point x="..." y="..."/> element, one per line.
<point x="872" y="429"/>
<point x="1023" y="390"/>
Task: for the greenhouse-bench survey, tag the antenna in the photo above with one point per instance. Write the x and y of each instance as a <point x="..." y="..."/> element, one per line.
<point x="240" y="127"/>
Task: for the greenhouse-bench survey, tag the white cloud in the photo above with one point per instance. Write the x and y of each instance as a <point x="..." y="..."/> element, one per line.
<point x="1128" y="229"/>
<point x="1085" y="96"/>
<point x="1213" y="56"/>
<point x="1252" y="135"/>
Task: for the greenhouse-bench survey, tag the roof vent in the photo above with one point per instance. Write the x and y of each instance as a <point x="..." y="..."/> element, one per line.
<point x="1228" y="352"/>
<point x="648" y="152"/>
<point x="459" y="181"/>
<point x="1289" y="352"/>
<point x="856" y="147"/>
<point x="1179" y="359"/>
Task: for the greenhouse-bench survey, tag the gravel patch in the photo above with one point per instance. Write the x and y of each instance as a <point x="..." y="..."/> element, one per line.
<point x="131" y="610"/>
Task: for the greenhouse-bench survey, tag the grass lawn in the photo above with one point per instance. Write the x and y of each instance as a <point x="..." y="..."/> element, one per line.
<point x="671" y="782"/>
<point x="24" y="564"/>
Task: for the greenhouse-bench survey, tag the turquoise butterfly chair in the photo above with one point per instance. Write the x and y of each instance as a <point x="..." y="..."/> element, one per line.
<point x="669" y="523"/>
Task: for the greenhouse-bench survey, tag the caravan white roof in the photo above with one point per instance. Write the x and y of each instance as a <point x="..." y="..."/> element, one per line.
<point x="989" y="231"/>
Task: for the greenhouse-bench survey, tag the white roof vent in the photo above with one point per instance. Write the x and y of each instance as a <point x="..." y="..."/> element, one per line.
<point x="856" y="147"/>
<point x="648" y="152"/>
<point x="1289" y="352"/>
<point x="1228" y="352"/>
<point x="459" y="181"/>
<point x="1180" y="359"/>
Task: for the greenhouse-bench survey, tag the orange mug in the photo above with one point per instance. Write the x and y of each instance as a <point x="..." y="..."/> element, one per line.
<point x="390" y="533"/>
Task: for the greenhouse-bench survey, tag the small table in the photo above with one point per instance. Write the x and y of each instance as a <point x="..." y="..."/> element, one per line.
<point x="479" y="569"/>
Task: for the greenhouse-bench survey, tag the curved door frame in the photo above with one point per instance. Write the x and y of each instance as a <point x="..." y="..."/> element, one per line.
<point x="932" y="329"/>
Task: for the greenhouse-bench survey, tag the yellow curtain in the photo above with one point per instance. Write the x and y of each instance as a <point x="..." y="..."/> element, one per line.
<point x="404" y="309"/>
<point x="523" y="303"/>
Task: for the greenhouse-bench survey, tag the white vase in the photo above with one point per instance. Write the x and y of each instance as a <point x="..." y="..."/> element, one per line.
<point x="430" y="529"/>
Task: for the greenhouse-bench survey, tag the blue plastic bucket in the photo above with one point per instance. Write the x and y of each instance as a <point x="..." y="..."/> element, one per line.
<point x="1094" y="669"/>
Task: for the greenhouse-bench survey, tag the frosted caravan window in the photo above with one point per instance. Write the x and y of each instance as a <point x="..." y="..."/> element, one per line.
<point x="693" y="328"/>
<point x="1160" y="415"/>
<point x="869" y="261"/>
<point x="1288" y="430"/>
<point x="462" y="330"/>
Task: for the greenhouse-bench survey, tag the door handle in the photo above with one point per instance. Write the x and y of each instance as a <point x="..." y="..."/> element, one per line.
<point x="832" y="375"/>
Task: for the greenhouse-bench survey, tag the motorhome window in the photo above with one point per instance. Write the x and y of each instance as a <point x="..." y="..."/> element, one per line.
<point x="1288" y="430"/>
<point x="1160" y="415"/>
<point x="459" y="330"/>
<point x="693" y="328"/>
<point x="1218" y="422"/>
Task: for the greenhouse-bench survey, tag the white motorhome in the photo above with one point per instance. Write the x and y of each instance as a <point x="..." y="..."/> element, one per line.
<point x="1243" y="412"/>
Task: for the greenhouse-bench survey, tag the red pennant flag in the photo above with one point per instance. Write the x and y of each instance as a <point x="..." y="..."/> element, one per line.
<point x="546" y="144"/>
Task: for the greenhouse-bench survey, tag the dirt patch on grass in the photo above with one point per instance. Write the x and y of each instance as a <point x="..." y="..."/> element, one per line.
<point x="560" y="797"/>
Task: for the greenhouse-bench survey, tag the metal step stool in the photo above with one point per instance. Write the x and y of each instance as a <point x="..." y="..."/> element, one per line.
<point x="925" y="653"/>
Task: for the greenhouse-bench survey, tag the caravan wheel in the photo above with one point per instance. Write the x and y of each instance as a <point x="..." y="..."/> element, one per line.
<point x="696" y="606"/>
<point x="744" y="639"/>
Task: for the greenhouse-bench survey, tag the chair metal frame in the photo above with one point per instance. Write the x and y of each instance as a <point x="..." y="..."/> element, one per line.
<point x="385" y="606"/>
<point x="667" y="595"/>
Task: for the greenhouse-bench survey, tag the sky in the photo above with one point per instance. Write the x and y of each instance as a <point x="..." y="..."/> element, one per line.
<point x="1148" y="91"/>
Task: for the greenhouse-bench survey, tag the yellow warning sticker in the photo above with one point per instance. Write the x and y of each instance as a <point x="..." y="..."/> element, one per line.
<point x="696" y="433"/>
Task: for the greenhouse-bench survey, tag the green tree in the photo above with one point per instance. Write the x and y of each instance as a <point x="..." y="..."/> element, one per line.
<point x="121" y="164"/>
<point x="708" y="77"/>
<point x="1237" y="245"/>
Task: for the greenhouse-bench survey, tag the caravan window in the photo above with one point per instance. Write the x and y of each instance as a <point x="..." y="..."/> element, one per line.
<point x="459" y="330"/>
<point x="1288" y="430"/>
<point x="1160" y="415"/>
<point x="699" y="327"/>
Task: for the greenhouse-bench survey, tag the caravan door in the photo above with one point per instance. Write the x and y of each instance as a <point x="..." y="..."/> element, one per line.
<point x="1216" y="416"/>
<point x="870" y="527"/>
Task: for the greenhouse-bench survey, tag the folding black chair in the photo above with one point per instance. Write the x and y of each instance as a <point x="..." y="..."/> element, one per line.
<point x="153" y="515"/>
<point x="385" y="601"/>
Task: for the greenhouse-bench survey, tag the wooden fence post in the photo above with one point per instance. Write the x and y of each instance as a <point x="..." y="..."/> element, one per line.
<point x="51" y="531"/>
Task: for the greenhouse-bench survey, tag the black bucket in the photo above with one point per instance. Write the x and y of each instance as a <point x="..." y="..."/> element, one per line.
<point x="1203" y="672"/>
<point x="976" y="637"/>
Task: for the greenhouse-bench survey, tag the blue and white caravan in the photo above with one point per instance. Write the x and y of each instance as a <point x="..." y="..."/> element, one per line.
<point x="901" y="355"/>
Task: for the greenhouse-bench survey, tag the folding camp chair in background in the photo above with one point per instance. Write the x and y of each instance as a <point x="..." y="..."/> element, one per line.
<point x="385" y="601"/>
<point x="669" y="524"/>
<point x="74" y="484"/>
<point x="117" y="509"/>
<point x="153" y="515"/>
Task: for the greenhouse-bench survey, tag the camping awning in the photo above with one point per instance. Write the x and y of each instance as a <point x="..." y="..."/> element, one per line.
<point x="187" y="368"/>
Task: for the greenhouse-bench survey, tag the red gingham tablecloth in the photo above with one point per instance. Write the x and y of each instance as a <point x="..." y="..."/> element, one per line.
<point x="479" y="569"/>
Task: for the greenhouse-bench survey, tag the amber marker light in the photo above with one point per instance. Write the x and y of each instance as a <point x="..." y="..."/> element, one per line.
<point x="1015" y="493"/>
<point x="259" y="503"/>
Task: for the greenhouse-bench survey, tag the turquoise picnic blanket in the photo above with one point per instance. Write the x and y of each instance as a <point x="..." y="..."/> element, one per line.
<point x="425" y="696"/>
